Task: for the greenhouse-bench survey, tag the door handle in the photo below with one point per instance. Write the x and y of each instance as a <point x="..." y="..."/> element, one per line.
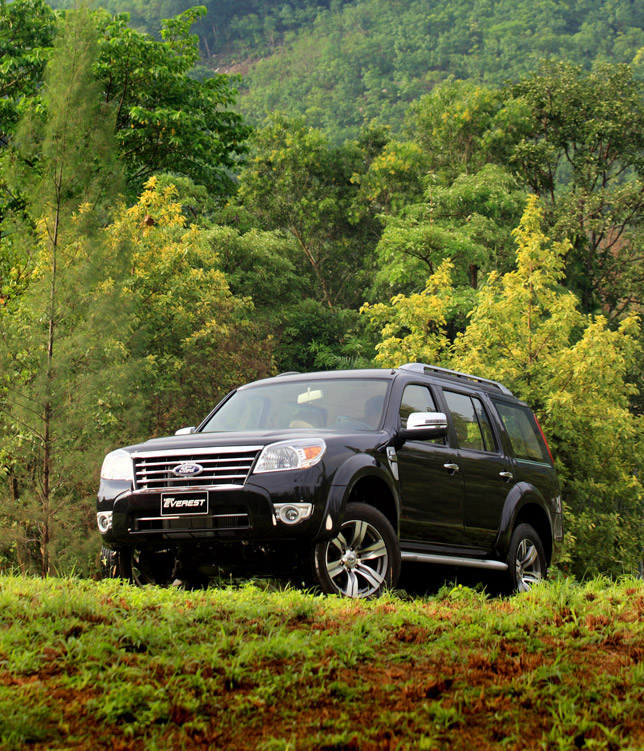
<point x="453" y="468"/>
<point x="506" y="475"/>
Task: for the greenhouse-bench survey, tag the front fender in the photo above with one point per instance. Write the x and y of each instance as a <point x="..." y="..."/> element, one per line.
<point x="358" y="467"/>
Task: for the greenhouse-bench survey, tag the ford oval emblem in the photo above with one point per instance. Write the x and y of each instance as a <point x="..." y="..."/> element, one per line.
<point x="187" y="469"/>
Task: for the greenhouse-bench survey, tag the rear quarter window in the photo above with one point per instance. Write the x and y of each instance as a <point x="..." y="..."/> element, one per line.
<point x="522" y="429"/>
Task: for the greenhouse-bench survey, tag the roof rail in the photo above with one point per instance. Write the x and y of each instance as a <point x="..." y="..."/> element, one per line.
<point x="420" y="367"/>
<point x="288" y="372"/>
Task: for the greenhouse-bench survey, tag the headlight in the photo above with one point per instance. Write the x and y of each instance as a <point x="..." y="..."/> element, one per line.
<point x="117" y="465"/>
<point x="290" y="455"/>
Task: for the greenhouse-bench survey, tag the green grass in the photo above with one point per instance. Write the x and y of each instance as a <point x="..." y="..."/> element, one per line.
<point x="86" y="665"/>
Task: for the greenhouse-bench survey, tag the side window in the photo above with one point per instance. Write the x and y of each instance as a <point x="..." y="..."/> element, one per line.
<point x="524" y="434"/>
<point x="417" y="398"/>
<point x="484" y="424"/>
<point x="471" y="422"/>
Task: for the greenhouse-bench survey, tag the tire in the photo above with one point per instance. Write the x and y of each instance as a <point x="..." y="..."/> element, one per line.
<point x="109" y="563"/>
<point x="143" y="567"/>
<point x="526" y="559"/>
<point x="363" y="560"/>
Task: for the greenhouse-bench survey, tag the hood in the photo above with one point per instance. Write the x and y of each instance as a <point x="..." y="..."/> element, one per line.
<point x="257" y="438"/>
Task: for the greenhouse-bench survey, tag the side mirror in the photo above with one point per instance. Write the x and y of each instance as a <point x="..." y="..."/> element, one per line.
<point x="424" y="425"/>
<point x="185" y="431"/>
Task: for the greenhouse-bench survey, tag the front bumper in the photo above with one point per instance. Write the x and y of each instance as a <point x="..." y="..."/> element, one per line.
<point x="249" y="512"/>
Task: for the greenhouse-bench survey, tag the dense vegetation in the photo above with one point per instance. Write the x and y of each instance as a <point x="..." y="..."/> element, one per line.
<point x="341" y="63"/>
<point x="107" y="666"/>
<point x="155" y="252"/>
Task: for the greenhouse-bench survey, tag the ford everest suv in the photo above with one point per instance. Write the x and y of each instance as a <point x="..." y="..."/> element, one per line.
<point x="342" y="476"/>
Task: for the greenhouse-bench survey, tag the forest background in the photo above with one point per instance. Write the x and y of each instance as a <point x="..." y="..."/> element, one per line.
<point x="451" y="182"/>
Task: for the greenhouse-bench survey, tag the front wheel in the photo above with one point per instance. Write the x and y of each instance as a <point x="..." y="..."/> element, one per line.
<point x="142" y="567"/>
<point x="363" y="559"/>
<point x="526" y="559"/>
<point x="109" y="563"/>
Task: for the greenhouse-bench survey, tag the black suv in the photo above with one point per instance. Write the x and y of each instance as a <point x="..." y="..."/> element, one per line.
<point x="341" y="476"/>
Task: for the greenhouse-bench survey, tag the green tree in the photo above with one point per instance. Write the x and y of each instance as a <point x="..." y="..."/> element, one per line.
<point x="297" y="183"/>
<point x="461" y="126"/>
<point x="469" y="222"/>
<point x="55" y="351"/>
<point x="27" y="29"/>
<point x="414" y="328"/>
<point x="166" y="120"/>
<point x="583" y="154"/>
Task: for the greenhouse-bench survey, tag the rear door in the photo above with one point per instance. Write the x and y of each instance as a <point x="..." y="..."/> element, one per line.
<point x="533" y="462"/>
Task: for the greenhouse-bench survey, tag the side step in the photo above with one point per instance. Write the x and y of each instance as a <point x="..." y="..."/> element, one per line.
<point x="448" y="560"/>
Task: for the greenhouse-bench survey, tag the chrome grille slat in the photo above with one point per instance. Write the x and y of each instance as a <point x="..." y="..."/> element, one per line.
<point x="221" y="466"/>
<point x="201" y="459"/>
<point x="164" y="472"/>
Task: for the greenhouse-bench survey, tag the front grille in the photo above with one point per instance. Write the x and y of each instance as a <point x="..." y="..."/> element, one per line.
<point x="153" y="470"/>
<point x="226" y="521"/>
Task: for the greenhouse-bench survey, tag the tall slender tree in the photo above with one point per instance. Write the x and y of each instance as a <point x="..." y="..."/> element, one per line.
<point x="56" y="335"/>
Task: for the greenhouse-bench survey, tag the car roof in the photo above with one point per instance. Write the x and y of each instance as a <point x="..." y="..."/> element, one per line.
<point x="432" y="372"/>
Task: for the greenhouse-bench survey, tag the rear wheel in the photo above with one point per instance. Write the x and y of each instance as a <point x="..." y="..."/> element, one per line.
<point x="526" y="559"/>
<point x="363" y="560"/>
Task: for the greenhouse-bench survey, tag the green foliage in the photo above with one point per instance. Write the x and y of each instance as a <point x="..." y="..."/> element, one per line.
<point x="372" y="58"/>
<point x="185" y="322"/>
<point x="27" y="30"/>
<point x="582" y="151"/>
<point x="57" y="361"/>
<point x="526" y="331"/>
<point x="165" y="119"/>
<point x="469" y="221"/>
<point x="260" y="265"/>
<point x="414" y="328"/>
<point x="297" y="183"/>
<point x="462" y="126"/>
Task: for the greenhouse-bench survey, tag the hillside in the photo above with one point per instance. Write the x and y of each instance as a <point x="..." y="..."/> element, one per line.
<point x="87" y="665"/>
<point x="344" y="63"/>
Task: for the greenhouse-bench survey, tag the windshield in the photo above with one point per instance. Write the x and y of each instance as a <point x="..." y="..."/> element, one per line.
<point x="338" y="404"/>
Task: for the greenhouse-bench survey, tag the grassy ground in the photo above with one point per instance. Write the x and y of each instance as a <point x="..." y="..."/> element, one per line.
<point x="86" y="665"/>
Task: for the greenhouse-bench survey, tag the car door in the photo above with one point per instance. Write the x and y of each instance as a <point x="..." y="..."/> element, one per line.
<point x="487" y="473"/>
<point x="431" y="487"/>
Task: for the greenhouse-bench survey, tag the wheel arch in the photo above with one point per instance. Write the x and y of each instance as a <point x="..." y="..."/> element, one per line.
<point x="525" y="505"/>
<point x="372" y="490"/>
<point x="363" y="479"/>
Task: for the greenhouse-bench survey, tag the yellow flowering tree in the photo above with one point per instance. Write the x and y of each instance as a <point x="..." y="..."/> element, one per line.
<point x="191" y="337"/>
<point x="413" y="328"/>
<point x="527" y="331"/>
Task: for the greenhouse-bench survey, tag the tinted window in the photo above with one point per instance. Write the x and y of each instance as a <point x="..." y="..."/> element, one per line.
<point x="470" y="421"/>
<point x="524" y="434"/>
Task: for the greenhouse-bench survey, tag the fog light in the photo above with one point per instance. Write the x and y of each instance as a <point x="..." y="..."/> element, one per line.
<point x="104" y="521"/>
<point x="293" y="513"/>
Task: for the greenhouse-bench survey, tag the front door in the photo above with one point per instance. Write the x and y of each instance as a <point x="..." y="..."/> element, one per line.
<point x="431" y="485"/>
